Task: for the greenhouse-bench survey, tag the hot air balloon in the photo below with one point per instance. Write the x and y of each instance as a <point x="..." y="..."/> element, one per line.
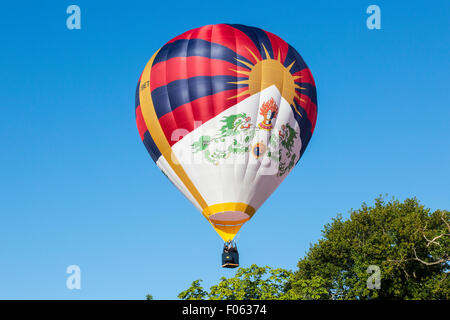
<point x="226" y="111"/>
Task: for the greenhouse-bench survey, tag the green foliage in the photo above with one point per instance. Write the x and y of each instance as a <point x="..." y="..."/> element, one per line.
<point x="194" y="292"/>
<point x="148" y="297"/>
<point x="306" y="289"/>
<point x="409" y="243"/>
<point x="254" y="283"/>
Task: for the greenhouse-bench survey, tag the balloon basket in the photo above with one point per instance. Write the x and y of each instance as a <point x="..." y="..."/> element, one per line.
<point x="230" y="259"/>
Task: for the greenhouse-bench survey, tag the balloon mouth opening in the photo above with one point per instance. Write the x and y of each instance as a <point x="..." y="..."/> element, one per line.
<point x="229" y="217"/>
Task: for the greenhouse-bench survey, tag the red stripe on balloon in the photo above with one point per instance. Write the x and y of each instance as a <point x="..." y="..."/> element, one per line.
<point x="190" y="116"/>
<point x="306" y="76"/>
<point x="142" y="127"/>
<point x="310" y="108"/>
<point x="226" y="36"/>
<point x="178" y="68"/>
<point x="278" y="44"/>
<point x="239" y="42"/>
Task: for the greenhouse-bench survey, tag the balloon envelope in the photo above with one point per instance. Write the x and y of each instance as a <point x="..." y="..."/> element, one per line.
<point x="226" y="112"/>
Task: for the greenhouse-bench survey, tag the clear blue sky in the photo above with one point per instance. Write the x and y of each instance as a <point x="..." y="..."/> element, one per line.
<point x="78" y="187"/>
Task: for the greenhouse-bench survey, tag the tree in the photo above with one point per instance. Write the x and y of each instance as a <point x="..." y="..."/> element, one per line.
<point x="407" y="242"/>
<point x="148" y="297"/>
<point x="254" y="283"/>
<point x="194" y="292"/>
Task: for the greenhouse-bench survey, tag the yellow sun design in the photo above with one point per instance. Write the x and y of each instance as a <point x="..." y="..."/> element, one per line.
<point x="267" y="72"/>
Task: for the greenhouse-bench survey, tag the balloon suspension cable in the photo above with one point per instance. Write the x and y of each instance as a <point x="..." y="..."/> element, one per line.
<point x="230" y="244"/>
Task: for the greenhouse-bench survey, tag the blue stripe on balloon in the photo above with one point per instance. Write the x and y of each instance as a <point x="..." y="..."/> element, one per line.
<point x="179" y="92"/>
<point x="151" y="146"/>
<point x="200" y="48"/>
<point x="291" y="56"/>
<point x="148" y="140"/>
<point x="259" y="38"/>
<point x="136" y="96"/>
<point x="310" y="91"/>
